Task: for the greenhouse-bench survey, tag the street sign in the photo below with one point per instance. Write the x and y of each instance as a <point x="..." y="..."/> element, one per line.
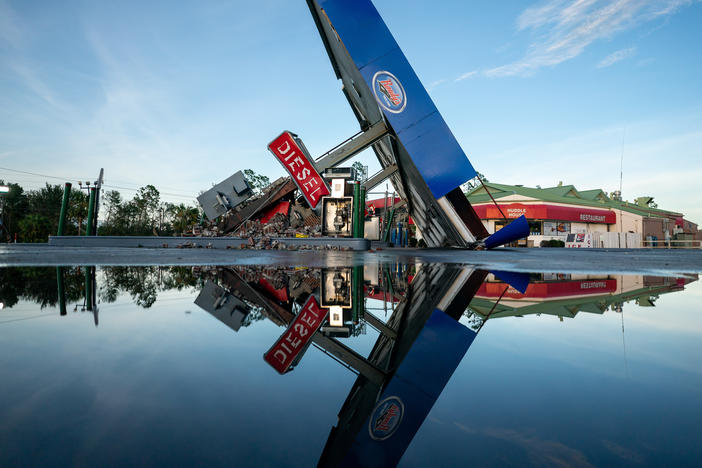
<point x="293" y="343"/>
<point x="289" y="151"/>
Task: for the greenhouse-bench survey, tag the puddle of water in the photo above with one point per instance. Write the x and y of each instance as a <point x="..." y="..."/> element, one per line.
<point x="373" y="365"/>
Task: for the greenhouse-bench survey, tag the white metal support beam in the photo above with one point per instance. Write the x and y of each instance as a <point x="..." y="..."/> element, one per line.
<point x="352" y="146"/>
<point x="376" y="179"/>
<point x="350" y="358"/>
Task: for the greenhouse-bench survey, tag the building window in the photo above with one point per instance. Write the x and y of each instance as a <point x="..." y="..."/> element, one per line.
<point x="556" y="228"/>
<point x="534" y="228"/>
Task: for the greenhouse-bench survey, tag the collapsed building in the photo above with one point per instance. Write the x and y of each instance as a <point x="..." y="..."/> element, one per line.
<point x="279" y="210"/>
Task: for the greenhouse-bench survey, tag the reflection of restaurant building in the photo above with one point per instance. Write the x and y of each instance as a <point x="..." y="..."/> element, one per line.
<point x="555" y="212"/>
<point x="564" y="295"/>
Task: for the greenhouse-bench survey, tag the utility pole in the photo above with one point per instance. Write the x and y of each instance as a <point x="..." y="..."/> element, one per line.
<point x="98" y="189"/>
<point x="91" y="211"/>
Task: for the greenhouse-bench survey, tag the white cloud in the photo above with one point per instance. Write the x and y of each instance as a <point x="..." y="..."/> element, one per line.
<point x="645" y="62"/>
<point x="10" y="31"/>
<point x="617" y="56"/>
<point x="464" y="76"/>
<point x="564" y="29"/>
<point x="436" y="83"/>
<point x="31" y="81"/>
<point x="16" y="65"/>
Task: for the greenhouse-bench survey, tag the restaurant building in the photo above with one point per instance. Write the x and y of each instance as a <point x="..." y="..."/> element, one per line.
<point x="566" y="295"/>
<point x="555" y="212"/>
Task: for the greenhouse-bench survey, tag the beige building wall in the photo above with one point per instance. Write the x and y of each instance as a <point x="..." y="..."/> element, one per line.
<point x="598" y="227"/>
<point x="627" y="222"/>
<point x="626" y="283"/>
<point x="489" y="225"/>
<point x="578" y="227"/>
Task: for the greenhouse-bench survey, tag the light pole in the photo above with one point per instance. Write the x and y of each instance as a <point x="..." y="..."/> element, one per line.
<point x="91" y="204"/>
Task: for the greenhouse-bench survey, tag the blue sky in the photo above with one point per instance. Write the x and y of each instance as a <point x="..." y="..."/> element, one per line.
<point x="181" y="97"/>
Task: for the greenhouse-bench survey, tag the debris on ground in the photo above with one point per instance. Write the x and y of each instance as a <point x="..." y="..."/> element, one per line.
<point x="263" y="221"/>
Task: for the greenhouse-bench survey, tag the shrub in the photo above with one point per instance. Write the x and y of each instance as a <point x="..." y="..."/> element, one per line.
<point x="552" y="243"/>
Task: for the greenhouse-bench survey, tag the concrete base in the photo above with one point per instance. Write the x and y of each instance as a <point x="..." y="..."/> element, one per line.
<point x="207" y="242"/>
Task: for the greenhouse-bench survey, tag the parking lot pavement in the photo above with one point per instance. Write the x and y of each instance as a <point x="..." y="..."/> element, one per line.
<point x="649" y="261"/>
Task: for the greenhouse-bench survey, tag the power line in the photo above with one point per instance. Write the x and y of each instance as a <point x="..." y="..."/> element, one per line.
<point x="45" y="175"/>
<point x="135" y="189"/>
<point x="162" y="193"/>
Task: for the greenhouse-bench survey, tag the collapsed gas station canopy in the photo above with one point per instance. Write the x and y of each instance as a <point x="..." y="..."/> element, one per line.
<point x="383" y="89"/>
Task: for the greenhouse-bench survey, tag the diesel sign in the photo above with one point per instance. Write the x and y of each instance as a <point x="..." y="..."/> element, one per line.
<point x="290" y="154"/>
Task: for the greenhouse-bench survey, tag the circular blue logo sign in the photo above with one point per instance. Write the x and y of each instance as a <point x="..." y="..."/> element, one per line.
<point x="386" y="418"/>
<point x="389" y="92"/>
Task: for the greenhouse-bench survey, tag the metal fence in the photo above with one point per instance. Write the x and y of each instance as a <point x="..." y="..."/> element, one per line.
<point x="672" y="244"/>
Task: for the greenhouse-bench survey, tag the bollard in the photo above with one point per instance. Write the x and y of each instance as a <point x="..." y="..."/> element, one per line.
<point x="356" y="208"/>
<point x="61" y="290"/>
<point x="362" y="214"/>
<point x="357" y="296"/>
<point x="64" y="208"/>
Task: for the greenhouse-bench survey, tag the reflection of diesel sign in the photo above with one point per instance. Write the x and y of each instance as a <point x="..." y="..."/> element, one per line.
<point x="515" y="212"/>
<point x="590" y="217"/>
<point x="593" y="285"/>
<point x="294" y="341"/>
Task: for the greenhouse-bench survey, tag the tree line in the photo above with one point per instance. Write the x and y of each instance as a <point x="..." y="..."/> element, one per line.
<point x="145" y="215"/>
<point x="33" y="215"/>
<point x="143" y="284"/>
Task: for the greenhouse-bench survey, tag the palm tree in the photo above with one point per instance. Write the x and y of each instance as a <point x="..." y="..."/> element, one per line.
<point x="184" y="217"/>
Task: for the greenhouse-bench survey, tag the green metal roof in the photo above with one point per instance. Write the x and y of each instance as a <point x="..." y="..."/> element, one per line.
<point x="595" y="198"/>
<point x="596" y="304"/>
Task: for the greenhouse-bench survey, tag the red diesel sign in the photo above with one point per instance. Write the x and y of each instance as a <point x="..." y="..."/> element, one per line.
<point x="296" y="338"/>
<point x="300" y="168"/>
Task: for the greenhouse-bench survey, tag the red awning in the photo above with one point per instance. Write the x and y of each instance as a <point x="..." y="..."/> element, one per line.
<point x="547" y="211"/>
<point x="379" y="204"/>
<point x="548" y="290"/>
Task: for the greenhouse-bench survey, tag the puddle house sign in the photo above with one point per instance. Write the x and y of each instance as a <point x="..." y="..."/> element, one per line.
<point x="389" y="92"/>
<point x="292" y="344"/>
<point x="300" y="167"/>
<point x="547" y="211"/>
<point x="386" y="418"/>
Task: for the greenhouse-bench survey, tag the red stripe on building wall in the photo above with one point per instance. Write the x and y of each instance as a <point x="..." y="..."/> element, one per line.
<point x="547" y="211"/>
<point x="549" y="290"/>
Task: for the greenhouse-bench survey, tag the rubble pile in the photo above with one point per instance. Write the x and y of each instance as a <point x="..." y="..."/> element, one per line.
<point x="273" y="213"/>
<point x="268" y="243"/>
<point x="301" y="281"/>
<point x="296" y="282"/>
<point x="280" y="226"/>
